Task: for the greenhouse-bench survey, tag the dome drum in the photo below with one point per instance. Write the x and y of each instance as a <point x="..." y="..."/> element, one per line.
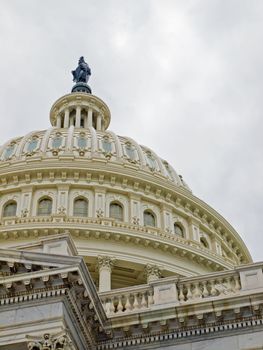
<point x="174" y="221"/>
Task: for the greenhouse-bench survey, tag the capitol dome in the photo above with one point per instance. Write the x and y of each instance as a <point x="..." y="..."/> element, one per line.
<point x="131" y="216"/>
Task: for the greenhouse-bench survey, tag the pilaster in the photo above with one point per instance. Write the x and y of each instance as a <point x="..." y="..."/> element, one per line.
<point x="62" y="203"/>
<point x="26" y="200"/>
<point x="99" y="203"/>
<point x="194" y="229"/>
<point x="135" y="210"/>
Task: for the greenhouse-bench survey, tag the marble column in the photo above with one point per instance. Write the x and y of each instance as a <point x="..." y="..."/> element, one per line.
<point x="85" y="118"/>
<point x="66" y="118"/>
<point x="78" y="116"/>
<point x="105" y="265"/>
<point x="89" y="117"/>
<point x="99" y="122"/>
<point x="59" y="121"/>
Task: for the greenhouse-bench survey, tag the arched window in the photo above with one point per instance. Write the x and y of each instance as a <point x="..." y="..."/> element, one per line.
<point x="44" y="207"/>
<point x="80" y="207"/>
<point x="149" y="218"/>
<point x="204" y="242"/>
<point x="116" y="211"/>
<point x="178" y="230"/>
<point x="10" y="209"/>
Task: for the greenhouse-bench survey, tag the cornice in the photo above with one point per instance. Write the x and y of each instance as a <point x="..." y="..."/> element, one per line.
<point x="102" y="229"/>
<point x="52" y="281"/>
<point x="192" y="334"/>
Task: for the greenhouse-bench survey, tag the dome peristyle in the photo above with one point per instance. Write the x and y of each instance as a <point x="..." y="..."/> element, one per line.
<point x="123" y="205"/>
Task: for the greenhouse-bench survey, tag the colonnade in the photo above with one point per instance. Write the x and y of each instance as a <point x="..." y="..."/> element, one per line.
<point x="105" y="266"/>
<point x="80" y="117"/>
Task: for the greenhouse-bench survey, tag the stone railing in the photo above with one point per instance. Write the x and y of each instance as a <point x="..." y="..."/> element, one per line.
<point x="125" y="300"/>
<point x="173" y="291"/>
<point x="196" y="288"/>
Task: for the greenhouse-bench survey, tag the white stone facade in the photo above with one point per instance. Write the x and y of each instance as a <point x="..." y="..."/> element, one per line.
<point x="159" y="268"/>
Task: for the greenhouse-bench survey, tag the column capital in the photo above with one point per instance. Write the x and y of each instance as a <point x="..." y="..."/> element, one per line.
<point x="49" y="342"/>
<point x="152" y="272"/>
<point x="106" y="262"/>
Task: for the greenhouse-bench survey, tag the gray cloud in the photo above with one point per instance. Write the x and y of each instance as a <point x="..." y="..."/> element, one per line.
<point x="182" y="77"/>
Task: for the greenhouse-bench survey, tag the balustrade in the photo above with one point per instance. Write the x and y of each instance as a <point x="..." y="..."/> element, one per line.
<point x="188" y="290"/>
<point x="124" y="301"/>
<point x="201" y="289"/>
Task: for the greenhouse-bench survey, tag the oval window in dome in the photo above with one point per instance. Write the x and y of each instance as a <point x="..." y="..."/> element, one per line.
<point x="106" y="145"/>
<point x="82" y="142"/>
<point x="32" y="145"/>
<point x="9" y="151"/>
<point x="57" y="141"/>
<point x="130" y="151"/>
<point x="151" y="161"/>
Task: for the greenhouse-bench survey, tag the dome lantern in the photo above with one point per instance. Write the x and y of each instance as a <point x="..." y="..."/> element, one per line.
<point x="80" y="109"/>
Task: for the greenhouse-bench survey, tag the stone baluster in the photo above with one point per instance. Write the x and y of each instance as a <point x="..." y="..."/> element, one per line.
<point x="205" y="290"/>
<point x="197" y="291"/>
<point x="189" y="295"/>
<point x="136" y="304"/>
<point x="119" y="306"/>
<point x="221" y="286"/>
<point x="128" y="306"/>
<point x="144" y="301"/>
<point x="181" y="292"/>
<point x="112" y="307"/>
<point x="213" y="290"/>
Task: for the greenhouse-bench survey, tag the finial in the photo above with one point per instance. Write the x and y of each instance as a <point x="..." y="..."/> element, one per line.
<point x="81" y="77"/>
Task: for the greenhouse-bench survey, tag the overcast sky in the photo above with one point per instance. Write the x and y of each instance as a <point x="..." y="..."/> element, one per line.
<point x="183" y="77"/>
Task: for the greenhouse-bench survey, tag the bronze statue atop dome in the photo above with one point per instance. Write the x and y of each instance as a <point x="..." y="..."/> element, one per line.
<point x="81" y="77"/>
<point x="82" y="73"/>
